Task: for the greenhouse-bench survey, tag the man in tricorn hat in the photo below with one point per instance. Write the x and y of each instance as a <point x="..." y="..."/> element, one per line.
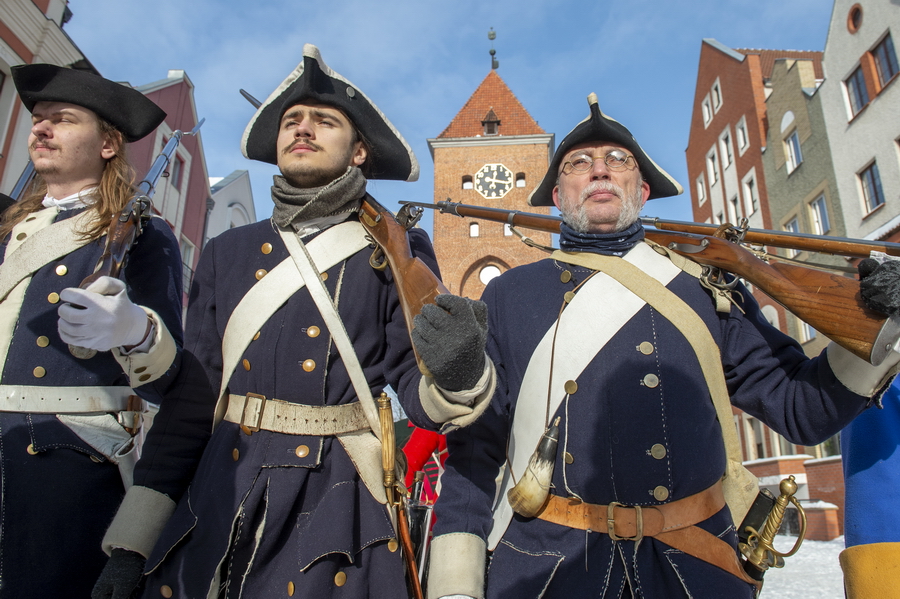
<point x="625" y="370"/>
<point x="290" y="333"/>
<point x="67" y="423"/>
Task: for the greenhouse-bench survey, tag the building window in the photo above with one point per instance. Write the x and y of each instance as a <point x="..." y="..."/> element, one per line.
<point x="792" y="154"/>
<point x="707" y="111"/>
<point x="807" y="333"/>
<point x="187" y="262"/>
<point x="873" y="196"/>
<point x="759" y="444"/>
<point x="176" y="167"/>
<point x="854" y="18"/>
<point x="751" y="195"/>
<point x="819" y="212"/>
<point x="701" y="189"/>
<point x="473" y="229"/>
<point x="885" y="60"/>
<point x="856" y="91"/>
<point x="741" y="132"/>
<point x="725" y="142"/>
<point x="720" y="218"/>
<point x="792" y="226"/>
<point x="487" y="273"/>
<point x="712" y="167"/>
<point x="507" y="230"/>
<point x="520" y="179"/>
<point x="734" y="209"/>
<point x="716" y="96"/>
<point x="467" y="182"/>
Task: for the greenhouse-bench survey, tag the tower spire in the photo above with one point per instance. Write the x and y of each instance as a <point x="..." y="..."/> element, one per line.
<point x="492" y="35"/>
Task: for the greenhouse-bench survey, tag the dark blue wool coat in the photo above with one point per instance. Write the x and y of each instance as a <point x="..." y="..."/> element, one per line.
<point x="252" y="516"/>
<point x="57" y="504"/>
<point x="608" y="428"/>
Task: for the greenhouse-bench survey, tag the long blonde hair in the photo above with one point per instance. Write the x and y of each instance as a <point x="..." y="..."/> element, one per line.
<point x="115" y="189"/>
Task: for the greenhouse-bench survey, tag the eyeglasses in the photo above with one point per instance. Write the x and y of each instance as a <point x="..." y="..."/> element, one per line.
<point x="616" y="160"/>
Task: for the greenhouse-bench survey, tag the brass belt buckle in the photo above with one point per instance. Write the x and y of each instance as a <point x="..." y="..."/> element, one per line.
<point x="611" y="522"/>
<point x="257" y="421"/>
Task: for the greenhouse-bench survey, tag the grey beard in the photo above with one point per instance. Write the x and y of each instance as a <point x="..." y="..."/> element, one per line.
<point x="578" y="219"/>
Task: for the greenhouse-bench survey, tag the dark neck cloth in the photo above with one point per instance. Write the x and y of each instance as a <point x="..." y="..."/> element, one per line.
<point x="608" y="244"/>
<point x="342" y="195"/>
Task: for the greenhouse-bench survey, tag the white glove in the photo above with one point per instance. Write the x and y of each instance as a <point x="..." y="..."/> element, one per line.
<point x="101" y="317"/>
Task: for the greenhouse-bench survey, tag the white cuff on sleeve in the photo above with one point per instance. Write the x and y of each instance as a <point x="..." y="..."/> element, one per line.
<point x="454" y="410"/>
<point x="139" y="521"/>
<point x="456" y="565"/>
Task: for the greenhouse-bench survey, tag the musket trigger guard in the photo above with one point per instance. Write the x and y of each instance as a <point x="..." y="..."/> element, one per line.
<point x="688" y="248"/>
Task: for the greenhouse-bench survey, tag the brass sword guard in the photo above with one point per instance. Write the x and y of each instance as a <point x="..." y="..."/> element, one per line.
<point x="759" y="550"/>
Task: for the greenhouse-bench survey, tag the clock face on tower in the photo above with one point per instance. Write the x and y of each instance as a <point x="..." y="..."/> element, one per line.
<point x="493" y="181"/>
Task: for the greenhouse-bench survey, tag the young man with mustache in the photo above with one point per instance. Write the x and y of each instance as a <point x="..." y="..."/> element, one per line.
<point x="67" y="423"/>
<point x="614" y="351"/>
<point x="262" y="475"/>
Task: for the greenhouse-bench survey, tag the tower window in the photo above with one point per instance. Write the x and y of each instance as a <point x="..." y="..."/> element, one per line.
<point x="467" y="182"/>
<point x="473" y="229"/>
<point x="520" y="179"/>
<point x="491" y="123"/>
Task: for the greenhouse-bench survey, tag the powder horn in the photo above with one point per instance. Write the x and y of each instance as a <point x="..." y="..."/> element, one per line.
<point x="532" y="491"/>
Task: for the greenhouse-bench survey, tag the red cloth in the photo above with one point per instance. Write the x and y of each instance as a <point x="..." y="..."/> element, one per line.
<point x="419" y="450"/>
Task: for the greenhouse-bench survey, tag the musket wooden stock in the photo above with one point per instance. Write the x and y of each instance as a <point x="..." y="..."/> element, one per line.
<point x="830" y="303"/>
<point x="416" y="284"/>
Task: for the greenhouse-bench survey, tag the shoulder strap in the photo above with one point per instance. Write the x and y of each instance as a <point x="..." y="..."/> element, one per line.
<point x="41" y="248"/>
<point x="694" y="330"/>
<point x="271" y="292"/>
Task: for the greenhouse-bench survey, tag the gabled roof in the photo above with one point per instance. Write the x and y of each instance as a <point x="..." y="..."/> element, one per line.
<point x="767" y="59"/>
<point x="492" y="95"/>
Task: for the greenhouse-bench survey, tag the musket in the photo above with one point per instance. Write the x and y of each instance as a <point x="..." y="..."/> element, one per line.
<point x="125" y="229"/>
<point x="830" y="303"/>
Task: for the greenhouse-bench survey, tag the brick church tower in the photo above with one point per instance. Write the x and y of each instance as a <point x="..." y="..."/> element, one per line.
<point x="491" y="154"/>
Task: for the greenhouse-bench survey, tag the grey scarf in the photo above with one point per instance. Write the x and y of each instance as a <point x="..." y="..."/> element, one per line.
<point x="293" y="204"/>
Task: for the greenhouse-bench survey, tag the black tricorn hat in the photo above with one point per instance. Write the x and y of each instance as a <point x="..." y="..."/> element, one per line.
<point x="601" y="128"/>
<point x="127" y="109"/>
<point x="390" y="157"/>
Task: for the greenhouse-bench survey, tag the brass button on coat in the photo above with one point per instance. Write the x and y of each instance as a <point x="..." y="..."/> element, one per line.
<point x="646" y="348"/>
<point x="95" y="459"/>
<point x="393" y="545"/>
<point x="21" y="236"/>
<point x="61" y="269"/>
<point x="651" y="380"/>
<point x="571" y="387"/>
<point x="569" y="458"/>
<point x="569" y="296"/>
<point x="53" y="298"/>
<point x="235" y="454"/>
<point x="266" y="249"/>
<point x="309" y="365"/>
<point x="302" y="451"/>
<point x="31" y="450"/>
<point x="140" y="369"/>
<point x="43" y="341"/>
<point x="246" y="363"/>
<point x="658" y="451"/>
<point x="39" y="372"/>
<point x="565" y="276"/>
<point x="144" y="378"/>
<point x="313" y="331"/>
<point x="256" y="336"/>
<point x="261" y="273"/>
<point x="340" y="579"/>
<point x="661" y="493"/>
<point x="290" y="584"/>
<point x="325" y="278"/>
<point x="166" y="591"/>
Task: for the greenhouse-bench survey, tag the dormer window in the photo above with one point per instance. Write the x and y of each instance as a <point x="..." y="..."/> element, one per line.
<point x="491" y="123"/>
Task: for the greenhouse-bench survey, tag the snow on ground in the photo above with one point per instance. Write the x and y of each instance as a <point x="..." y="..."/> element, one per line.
<point x="813" y="573"/>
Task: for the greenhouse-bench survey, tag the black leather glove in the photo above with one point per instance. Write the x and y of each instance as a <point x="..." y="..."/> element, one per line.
<point x="879" y="285"/>
<point x="450" y="338"/>
<point x="121" y="576"/>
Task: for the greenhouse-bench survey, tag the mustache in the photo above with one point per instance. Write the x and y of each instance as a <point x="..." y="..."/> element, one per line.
<point x="606" y="186"/>
<point x="307" y="143"/>
<point x="43" y="144"/>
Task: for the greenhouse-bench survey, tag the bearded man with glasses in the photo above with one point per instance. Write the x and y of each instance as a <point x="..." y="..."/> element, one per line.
<point x="628" y="402"/>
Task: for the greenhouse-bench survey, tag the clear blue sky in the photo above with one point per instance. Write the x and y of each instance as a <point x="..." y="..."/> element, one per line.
<point x="421" y="60"/>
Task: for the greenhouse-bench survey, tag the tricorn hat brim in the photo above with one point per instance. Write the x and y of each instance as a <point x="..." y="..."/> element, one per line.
<point x="127" y="109"/>
<point x="599" y="127"/>
<point x="390" y="157"/>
